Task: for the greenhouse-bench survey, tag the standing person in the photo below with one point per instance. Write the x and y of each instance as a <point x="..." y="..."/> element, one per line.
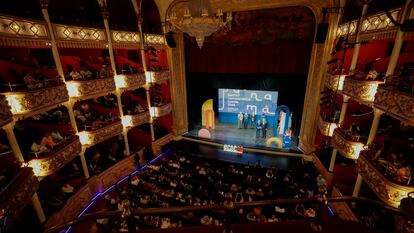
<point x="245" y="120"/>
<point x="253" y="120"/>
<point x="258" y="128"/>
<point x="264" y="126"/>
<point x="240" y="120"/>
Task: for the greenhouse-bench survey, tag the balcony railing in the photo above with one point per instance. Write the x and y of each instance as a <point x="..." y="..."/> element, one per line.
<point x="18" y="194"/>
<point x="162" y="110"/>
<point x="90" y="88"/>
<point x="5" y="114"/>
<point x="140" y="118"/>
<point x="92" y="137"/>
<point x="39" y="100"/>
<point x="387" y="190"/>
<point x="399" y="105"/>
<point x="362" y="91"/>
<point x="58" y="158"/>
<point x="335" y="82"/>
<point x="157" y="76"/>
<point x="327" y="128"/>
<point x="130" y="81"/>
<point x="158" y="144"/>
<point x="345" y="145"/>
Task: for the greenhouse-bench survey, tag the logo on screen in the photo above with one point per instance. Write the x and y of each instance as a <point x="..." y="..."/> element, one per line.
<point x="247" y="101"/>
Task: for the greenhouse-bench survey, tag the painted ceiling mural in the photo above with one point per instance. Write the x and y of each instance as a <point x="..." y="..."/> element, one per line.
<point x="266" y="26"/>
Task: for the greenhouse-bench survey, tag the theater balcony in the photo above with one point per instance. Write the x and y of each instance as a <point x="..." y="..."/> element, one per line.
<point x="87" y="89"/>
<point x="334" y="81"/>
<point x="362" y="91"/>
<point x="62" y="153"/>
<point x="91" y="137"/>
<point x="5" y="114"/>
<point x="157" y="76"/>
<point x="326" y="126"/>
<point x="396" y="103"/>
<point x="130" y="81"/>
<point x="158" y="144"/>
<point x="161" y="110"/>
<point x="136" y="119"/>
<point x="37" y="100"/>
<point x="18" y="189"/>
<point x="346" y="144"/>
<point x="381" y="178"/>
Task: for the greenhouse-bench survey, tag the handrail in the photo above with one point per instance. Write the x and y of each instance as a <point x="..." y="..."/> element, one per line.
<point x="281" y="202"/>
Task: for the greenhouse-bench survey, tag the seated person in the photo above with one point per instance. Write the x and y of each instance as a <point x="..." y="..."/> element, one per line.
<point x="74" y="75"/>
<point x="30" y="81"/>
<point x="56" y="136"/>
<point x="39" y="148"/>
<point x="104" y="72"/>
<point x="47" y="141"/>
<point x="85" y="73"/>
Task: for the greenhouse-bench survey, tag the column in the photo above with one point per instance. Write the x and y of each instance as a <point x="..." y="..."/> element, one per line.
<point x="398" y="43"/>
<point x="333" y="159"/>
<point x="83" y="162"/>
<point x="13" y="141"/>
<point x="357" y="187"/>
<point x="38" y="208"/>
<point x="357" y="35"/>
<point x="374" y="126"/>
<point x="69" y="106"/>
<point x="343" y="109"/>
<point x="105" y="16"/>
<point x="118" y="94"/>
<point x="45" y="4"/>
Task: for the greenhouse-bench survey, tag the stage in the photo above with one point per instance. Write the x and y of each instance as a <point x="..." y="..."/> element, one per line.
<point x="227" y="133"/>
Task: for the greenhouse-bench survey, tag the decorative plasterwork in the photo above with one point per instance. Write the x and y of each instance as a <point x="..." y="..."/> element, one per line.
<point x="30" y="102"/>
<point x="398" y="104"/>
<point x="99" y="135"/>
<point x="56" y="159"/>
<point x="334" y="82"/>
<point x="158" y="76"/>
<point x="348" y="148"/>
<point x="64" y="32"/>
<point x="362" y="91"/>
<point x="125" y="37"/>
<point x="326" y="128"/>
<point x="154" y="39"/>
<point x="23" y="28"/>
<point x="162" y="110"/>
<point x="140" y="118"/>
<point x="391" y="193"/>
<point x="157" y="145"/>
<point x="130" y="81"/>
<point x="90" y="88"/>
<point x="118" y="171"/>
<point x="5" y="114"/>
<point x="18" y="194"/>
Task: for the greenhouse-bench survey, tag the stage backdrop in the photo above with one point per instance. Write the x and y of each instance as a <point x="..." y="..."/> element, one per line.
<point x="233" y="101"/>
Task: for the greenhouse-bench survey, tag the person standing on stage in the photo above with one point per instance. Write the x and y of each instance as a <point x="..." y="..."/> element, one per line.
<point x="253" y="120"/>
<point x="245" y="120"/>
<point x="258" y="128"/>
<point x="240" y="120"/>
<point x="264" y="126"/>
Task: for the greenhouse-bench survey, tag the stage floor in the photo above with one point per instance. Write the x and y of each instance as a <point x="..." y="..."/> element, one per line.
<point x="226" y="133"/>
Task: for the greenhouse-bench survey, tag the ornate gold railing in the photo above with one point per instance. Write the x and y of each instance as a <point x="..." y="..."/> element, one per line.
<point x="334" y="82"/>
<point x="93" y="137"/>
<point x="34" y="101"/>
<point x="387" y="190"/>
<point x="327" y="128"/>
<point x="361" y="91"/>
<point x="90" y="88"/>
<point x="158" y="144"/>
<point x="56" y="159"/>
<point x="157" y="76"/>
<point x="130" y="81"/>
<point x="5" y="114"/>
<point x="162" y="110"/>
<point x="140" y="118"/>
<point x="347" y="147"/>
<point x="399" y="105"/>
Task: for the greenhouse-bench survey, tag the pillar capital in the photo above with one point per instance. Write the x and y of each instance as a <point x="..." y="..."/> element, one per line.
<point x="44" y="4"/>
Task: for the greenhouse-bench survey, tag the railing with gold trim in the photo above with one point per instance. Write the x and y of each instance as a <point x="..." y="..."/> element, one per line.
<point x="18" y="193"/>
<point x="56" y="159"/>
<point x="387" y="190"/>
<point x="140" y="118"/>
<point x="5" y="114"/>
<point x="158" y="144"/>
<point x="39" y="100"/>
<point x="334" y="82"/>
<point x="68" y="36"/>
<point x="125" y="39"/>
<point x="157" y="76"/>
<point x="90" y="88"/>
<point x="327" y="128"/>
<point x="347" y="147"/>
<point x="154" y="39"/>
<point x="162" y="110"/>
<point x="399" y="105"/>
<point x="130" y="81"/>
<point x="14" y="26"/>
<point x="361" y="91"/>
<point x="93" y="137"/>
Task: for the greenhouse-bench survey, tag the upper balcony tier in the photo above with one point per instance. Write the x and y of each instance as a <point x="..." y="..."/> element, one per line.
<point x="335" y="82"/>
<point x="92" y="137"/>
<point x="375" y="174"/>
<point x="157" y="76"/>
<point x="360" y="90"/>
<point x="162" y="110"/>
<point x="130" y="81"/>
<point x="138" y="119"/>
<point x="31" y="102"/>
<point x="87" y="89"/>
<point x="57" y="158"/>
<point x="326" y="127"/>
<point x="346" y="145"/>
<point x="399" y="105"/>
<point x="5" y="114"/>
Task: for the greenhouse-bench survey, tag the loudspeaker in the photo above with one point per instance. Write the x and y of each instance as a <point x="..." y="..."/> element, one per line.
<point x="169" y="37"/>
<point x="321" y="33"/>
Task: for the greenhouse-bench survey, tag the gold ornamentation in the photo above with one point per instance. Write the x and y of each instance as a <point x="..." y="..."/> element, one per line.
<point x="64" y="32"/>
<point x="157" y="145"/>
<point x="363" y="91"/>
<point x="388" y="191"/>
<point x="159" y="76"/>
<point x="99" y="135"/>
<point x="326" y="128"/>
<point x="57" y="159"/>
<point x="75" y="204"/>
<point x="5" y="114"/>
<point x="163" y="110"/>
<point x="349" y="149"/>
<point x="90" y="88"/>
<point x="31" y="101"/>
<point x="140" y="118"/>
<point x="18" y="194"/>
<point x="125" y="37"/>
<point x="23" y="28"/>
<point x="118" y="171"/>
<point x="399" y="105"/>
<point x="154" y="39"/>
<point x="132" y="81"/>
<point x="334" y="82"/>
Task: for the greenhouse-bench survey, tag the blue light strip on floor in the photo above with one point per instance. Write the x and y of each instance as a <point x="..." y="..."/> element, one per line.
<point x="100" y="194"/>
